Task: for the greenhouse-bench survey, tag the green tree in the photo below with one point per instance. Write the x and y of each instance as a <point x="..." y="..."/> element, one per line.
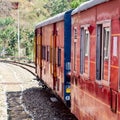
<point x="5" y="32"/>
<point x="27" y="39"/>
<point x="12" y="44"/>
<point x="57" y="6"/>
<point x="76" y="3"/>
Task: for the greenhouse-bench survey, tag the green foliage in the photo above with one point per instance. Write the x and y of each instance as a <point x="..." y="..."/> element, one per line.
<point x="7" y="35"/>
<point x="27" y="41"/>
<point x="5" y="22"/>
<point x="76" y="3"/>
<point x="57" y="6"/>
<point x="31" y="12"/>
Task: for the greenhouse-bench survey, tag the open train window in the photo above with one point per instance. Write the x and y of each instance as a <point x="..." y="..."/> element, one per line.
<point x="48" y="54"/>
<point x="103" y="53"/>
<point x="75" y="49"/>
<point x="84" y="51"/>
<point x="75" y="33"/>
<point x="59" y="57"/>
<point x="74" y="58"/>
<point x="43" y="52"/>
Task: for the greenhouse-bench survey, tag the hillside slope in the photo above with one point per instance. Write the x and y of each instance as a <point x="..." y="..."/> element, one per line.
<point x="31" y="11"/>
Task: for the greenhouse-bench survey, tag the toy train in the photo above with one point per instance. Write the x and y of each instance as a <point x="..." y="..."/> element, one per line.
<point x="77" y="54"/>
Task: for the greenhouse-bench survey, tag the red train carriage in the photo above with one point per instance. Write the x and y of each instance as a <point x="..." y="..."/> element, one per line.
<point x="53" y="48"/>
<point x="95" y="60"/>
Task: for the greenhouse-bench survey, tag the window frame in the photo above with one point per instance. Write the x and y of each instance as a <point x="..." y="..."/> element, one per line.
<point x="75" y="33"/>
<point x="106" y="42"/>
<point x="84" y="30"/>
<point x="48" y="54"/>
<point x="59" y="57"/>
<point x="74" y="56"/>
<point x="106" y="24"/>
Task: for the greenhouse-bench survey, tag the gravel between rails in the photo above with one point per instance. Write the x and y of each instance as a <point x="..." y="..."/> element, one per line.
<point x="38" y="103"/>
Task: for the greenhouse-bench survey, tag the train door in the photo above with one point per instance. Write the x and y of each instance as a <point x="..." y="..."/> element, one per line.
<point x="35" y="50"/>
<point x="103" y="53"/>
<point x="54" y="56"/>
<point x="40" y="53"/>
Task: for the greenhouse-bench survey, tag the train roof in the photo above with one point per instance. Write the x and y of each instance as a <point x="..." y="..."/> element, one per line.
<point x="87" y="5"/>
<point x="54" y="19"/>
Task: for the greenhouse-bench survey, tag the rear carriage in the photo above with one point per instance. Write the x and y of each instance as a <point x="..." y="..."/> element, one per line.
<point x="53" y="48"/>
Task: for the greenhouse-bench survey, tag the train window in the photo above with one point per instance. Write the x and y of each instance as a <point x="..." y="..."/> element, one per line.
<point x="102" y="53"/>
<point x="106" y="42"/>
<point x="84" y="51"/>
<point x="37" y="54"/>
<point x="98" y="51"/>
<point x="74" y="59"/>
<point x="43" y="52"/>
<point x="86" y="43"/>
<point x="75" y="33"/>
<point x="105" y="53"/>
<point x="48" y="53"/>
<point x="59" y="57"/>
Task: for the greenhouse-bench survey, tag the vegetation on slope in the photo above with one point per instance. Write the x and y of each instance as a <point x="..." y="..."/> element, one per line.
<point x="30" y="13"/>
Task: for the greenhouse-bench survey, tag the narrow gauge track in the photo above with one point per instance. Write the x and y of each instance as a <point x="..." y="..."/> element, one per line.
<point x="13" y="82"/>
<point x="30" y="101"/>
<point x="26" y="66"/>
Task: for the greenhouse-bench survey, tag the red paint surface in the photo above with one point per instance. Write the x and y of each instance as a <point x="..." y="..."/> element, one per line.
<point x="91" y="100"/>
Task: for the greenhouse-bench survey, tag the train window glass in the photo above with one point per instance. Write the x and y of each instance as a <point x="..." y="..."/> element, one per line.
<point x="47" y="53"/>
<point x="105" y="53"/>
<point x="75" y="33"/>
<point x="37" y="54"/>
<point x="87" y="43"/>
<point x="84" y="51"/>
<point x="51" y="54"/>
<point x="59" y="57"/>
<point x="102" y="53"/>
<point x="98" y="51"/>
<point x="44" y="52"/>
<point x="82" y="56"/>
<point x="74" y="61"/>
<point x="106" y="42"/>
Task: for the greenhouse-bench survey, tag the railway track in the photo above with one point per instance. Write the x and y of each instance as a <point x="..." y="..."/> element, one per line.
<point x="26" y="66"/>
<point x="25" y="99"/>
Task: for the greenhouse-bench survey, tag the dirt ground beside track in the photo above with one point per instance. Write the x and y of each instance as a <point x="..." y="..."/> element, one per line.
<point x="22" y="99"/>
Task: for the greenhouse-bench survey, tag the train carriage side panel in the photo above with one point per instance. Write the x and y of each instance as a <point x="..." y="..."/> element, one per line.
<point x="53" y="52"/>
<point x="95" y="97"/>
<point x="47" y="48"/>
<point x="82" y="80"/>
<point x="60" y="58"/>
